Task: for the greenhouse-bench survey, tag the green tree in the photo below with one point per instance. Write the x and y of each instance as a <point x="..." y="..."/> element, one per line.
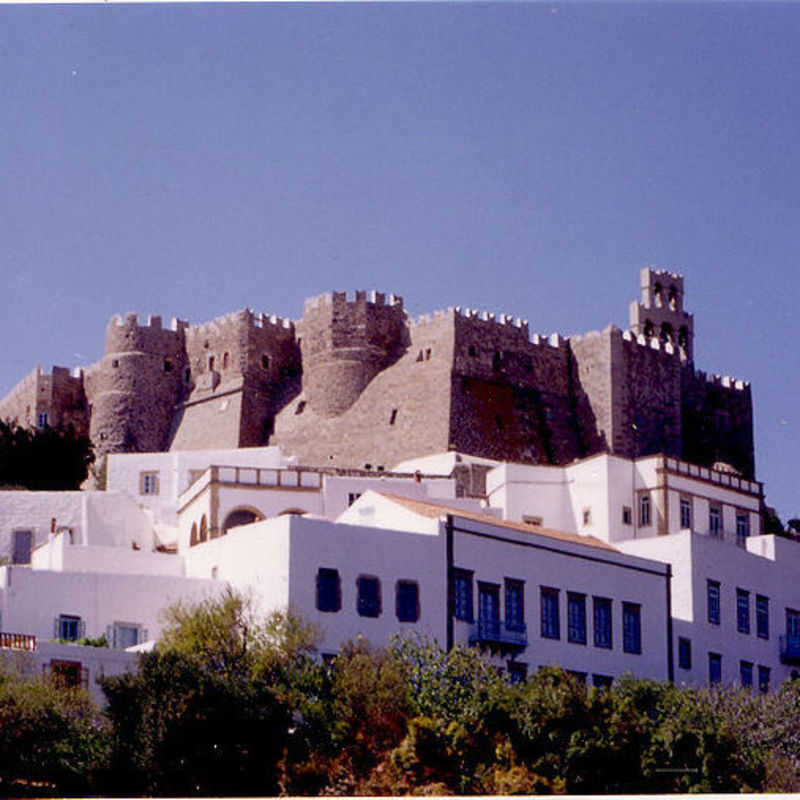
<point x="53" y="740"/>
<point x="208" y="711"/>
<point x="43" y="459"/>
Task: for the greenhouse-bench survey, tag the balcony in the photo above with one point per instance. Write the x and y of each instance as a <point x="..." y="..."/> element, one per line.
<point x="494" y="633"/>
<point x="790" y="649"/>
<point x="17" y="641"/>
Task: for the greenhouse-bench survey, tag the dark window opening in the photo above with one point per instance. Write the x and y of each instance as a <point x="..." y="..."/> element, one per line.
<point x="407" y="601"/>
<point x="393" y="417"/>
<point x="473" y="350"/>
<point x="329" y="590"/>
<point x="714" y="668"/>
<point x="515" y="604"/>
<point x="265" y="361"/>
<point x="167" y="365"/>
<point x="369" y="596"/>
<point x="684" y="653"/>
<point x="713" y="602"/>
<point x="300" y="407"/>
<point x="631" y="628"/>
<point x="602" y="622"/>
<point x="551" y="628"/>
<point x="762" y="616"/>
<point x="576" y="618"/>
<point x="462" y="594"/>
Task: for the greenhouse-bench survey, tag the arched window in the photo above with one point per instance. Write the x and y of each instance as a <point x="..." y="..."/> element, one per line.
<point x="203" y="528"/>
<point x="193" y="536"/>
<point x="658" y="295"/>
<point x="240" y="516"/>
<point x="666" y="333"/>
<point x="648" y="329"/>
<point x="683" y="337"/>
<point x="673" y="298"/>
<point x="226" y="360"/>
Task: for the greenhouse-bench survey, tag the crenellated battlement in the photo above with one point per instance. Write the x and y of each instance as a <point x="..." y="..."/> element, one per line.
<point x="358" y="297"/>
<point x="387" y="386"/>
<point x="667" y="275"/>
<point x="654" y="343"/>
<point x="722" y="381"/>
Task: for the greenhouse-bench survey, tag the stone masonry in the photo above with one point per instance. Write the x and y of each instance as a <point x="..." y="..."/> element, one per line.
<point x="357" y="383"/>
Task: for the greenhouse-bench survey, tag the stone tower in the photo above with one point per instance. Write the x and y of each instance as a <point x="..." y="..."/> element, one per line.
<point x="132" y="392"/>
<point x="346" y="343"/>
<point x="659" y="313"/>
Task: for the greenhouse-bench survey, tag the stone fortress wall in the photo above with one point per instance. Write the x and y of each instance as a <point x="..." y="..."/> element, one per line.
<point x="357" y="382"/>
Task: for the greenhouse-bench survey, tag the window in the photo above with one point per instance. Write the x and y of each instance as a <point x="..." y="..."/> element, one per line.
<point x="167" y="365"/>
<point x="746" y="674"/>
<point x="23" y="544"/>
<point x="300" y="407"/>
<point x="579" y="677"/>
<point x="352" y="497"/>
<point x="67" y="674"/>
<point x="125" y="634"/>
<point x="265" y="361"/>
<point x="714" y="668"/>
<point x="531" y="519"/>
<point x="329" y="590"/>
<point x="489" y="607"/>
<point x="393" y="416"/>
<point x="576" y="618"/>
<point x="407" y="601"/>
<point x="644" y="510"/>
<point x="211" y="363"/>
<point x="712" y="592"/>
<point x="148" y="483"/>
<point x="587" y="516"/>
<point x="763" y="679"/>
<point x="684" y="653"/>
<point x="368" y="603"/>
<point x="627" y="515"/>
<point x="41" y="419"/>
<point x="762" y="616"/>
<point x="517" y="672"/>
<point x="686" y="513"/>
<point x="602" y="622"/>
<point x="203" y="528"/>
<point x="742" y="611"/>
<point x="792" y="623"/>
<point x="69" y="628"/>
<point x="631" y="628"/>
<point x="715" y="522"/>
<point x="742" y="528"/>
<point x="515" y="604"/>
<point x="602" y="681"/>
<point x="462" y="594"/>
<point x="550" y="618"/>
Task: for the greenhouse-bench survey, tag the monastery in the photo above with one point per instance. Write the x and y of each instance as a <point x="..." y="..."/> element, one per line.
<point x="586" y="502"/>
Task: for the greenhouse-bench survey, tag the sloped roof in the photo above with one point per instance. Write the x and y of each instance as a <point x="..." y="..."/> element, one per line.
<point x="426" y="508"/>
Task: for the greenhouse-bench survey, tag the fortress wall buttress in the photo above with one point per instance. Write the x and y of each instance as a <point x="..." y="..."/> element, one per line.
<point x="237" y="367"/>
<point x="20" y="404"/>
<point x="511" y="393"/>
<point x="346" y="343"/>
<point x="57" y="398"/>
<point x="717" y="421"/>
<point x="403" y="412"/>
<point x="134" y="389"/>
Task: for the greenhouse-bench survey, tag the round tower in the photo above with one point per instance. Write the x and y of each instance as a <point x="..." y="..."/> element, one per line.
<point x="345" y="343"/>
<point x="133" y="391"/>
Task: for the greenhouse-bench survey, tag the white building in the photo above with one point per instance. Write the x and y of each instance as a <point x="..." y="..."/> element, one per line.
<point x="653" y="566"/>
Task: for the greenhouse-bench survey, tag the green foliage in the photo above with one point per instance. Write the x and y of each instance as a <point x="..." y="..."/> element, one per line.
<point x="208" y="711"/>
<point x="53" y="740"/>
<point x="43" y="459"/>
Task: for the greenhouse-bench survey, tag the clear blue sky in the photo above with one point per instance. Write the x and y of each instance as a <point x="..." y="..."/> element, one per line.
<point x="190" y="160"/>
